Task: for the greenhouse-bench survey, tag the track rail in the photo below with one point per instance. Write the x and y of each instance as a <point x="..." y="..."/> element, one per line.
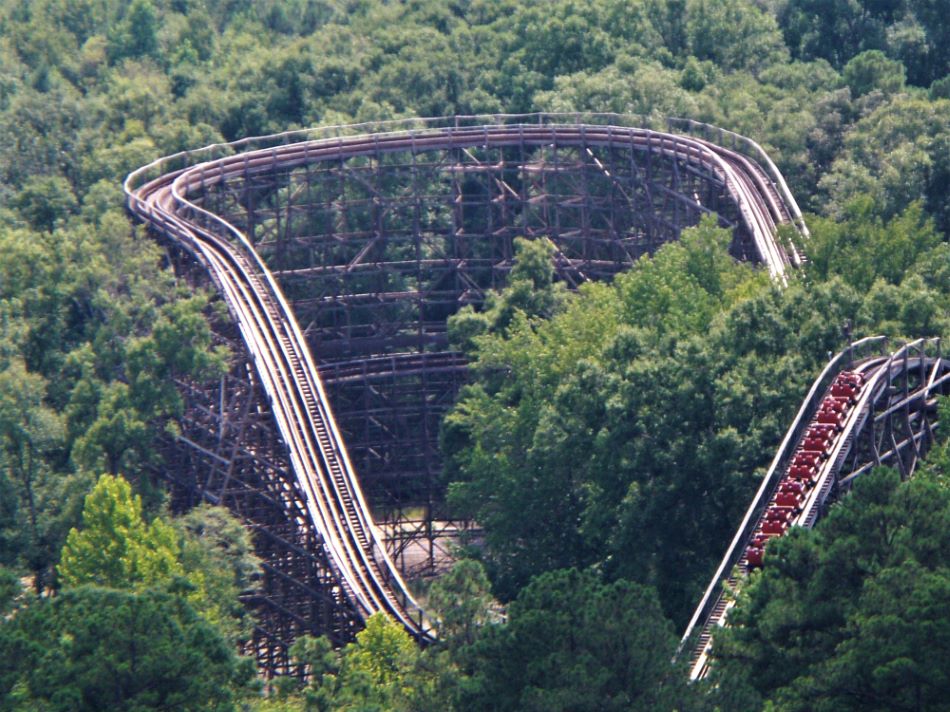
<point x="333" y="497"/>
<point x="160" y="195"/>
<point x="868" y="407"/>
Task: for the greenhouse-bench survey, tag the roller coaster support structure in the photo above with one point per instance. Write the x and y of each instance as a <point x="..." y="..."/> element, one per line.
<point x="339" y="254"/>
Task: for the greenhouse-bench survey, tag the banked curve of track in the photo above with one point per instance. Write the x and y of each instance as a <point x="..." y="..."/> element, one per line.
<point x="324" y="473"/>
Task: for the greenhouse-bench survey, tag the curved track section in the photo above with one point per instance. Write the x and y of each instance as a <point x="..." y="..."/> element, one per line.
<point x="196" y="204"/>
<point x="868" y="407"/>
<point x="333" y="498"/>
<point x="746" y="185"/>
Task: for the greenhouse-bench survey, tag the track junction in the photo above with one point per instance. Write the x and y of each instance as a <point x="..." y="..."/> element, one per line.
<point x="340" y="253"/>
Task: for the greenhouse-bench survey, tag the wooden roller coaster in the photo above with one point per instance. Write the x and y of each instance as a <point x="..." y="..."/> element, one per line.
<point x="341" y="252"/>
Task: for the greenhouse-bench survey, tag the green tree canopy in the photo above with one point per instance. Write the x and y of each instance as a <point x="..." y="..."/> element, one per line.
<point x="382" y="669"/>
<point x="574" y="643"/>
<point x="206" y="555"/>
<point x="29" y="432"/>
<point x="218" y="558"/>
<point x="873" y="70"/>
<point x="91" y="649"/>
<point x="850" y="615"/>
<point x="115" y="547"/>
<point x="45" y="201"/>
<point x="461" y="599"/>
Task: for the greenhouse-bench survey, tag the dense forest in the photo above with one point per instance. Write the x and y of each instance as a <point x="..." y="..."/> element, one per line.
<point x="610" y="438"/>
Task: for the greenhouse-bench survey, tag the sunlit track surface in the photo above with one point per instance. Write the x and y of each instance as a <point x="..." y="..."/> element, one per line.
<point x="333" y="498"/>
<point x="870" y="407"/>
<point x="175" y="197"/>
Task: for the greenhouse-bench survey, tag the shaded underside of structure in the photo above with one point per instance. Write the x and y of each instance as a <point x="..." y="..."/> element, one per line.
<point x="375" y="250"/>
<point x="375" y="240"/>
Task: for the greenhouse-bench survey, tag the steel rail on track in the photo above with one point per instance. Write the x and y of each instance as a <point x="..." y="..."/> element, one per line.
<point x="773" y="177"/>
<point x="779" y="462"/>
<point x="159" y="194"/>
<point x="870" y="357"/>
<point x="346" y="512"/>
<point x="314" y="448"/>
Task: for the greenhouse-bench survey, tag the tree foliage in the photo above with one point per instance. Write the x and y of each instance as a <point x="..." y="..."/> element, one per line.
<point x="589" y="437"/>
<point x="616" y="430"/>
<point x="572" y="447"/>
<point x="206" y="554"/>
<point x="218" y="558"/>
<point x="115" y="547"/>
<point x="461" y="602"/>
<point x="574" y="643"/>
<point x="92" y="648"/>
<point x="850" y="615"/>
<point x="381" y="670"/>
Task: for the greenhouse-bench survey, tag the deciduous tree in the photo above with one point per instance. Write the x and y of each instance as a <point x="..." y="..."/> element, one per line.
<point x="115" y="546"/>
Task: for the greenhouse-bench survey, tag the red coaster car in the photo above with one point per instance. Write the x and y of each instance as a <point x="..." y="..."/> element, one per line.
<point x="789" y="499"/>
<point x="777" y="512"/>
<point x="819" y="445"/>
<point x="760" y="539"/>
<point x="831" y="417"/>
<point x="792" y="487"/>
<point x="817" y="430"/>
<point x="806" y="459"/>
<point x="803" y="473"/>
<point x="848" y="391"/>
<point x="754" y="557"/>
<point x="774" y="526"/>
<point x="854" y="377"/>
<point x="839" y="405"/>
